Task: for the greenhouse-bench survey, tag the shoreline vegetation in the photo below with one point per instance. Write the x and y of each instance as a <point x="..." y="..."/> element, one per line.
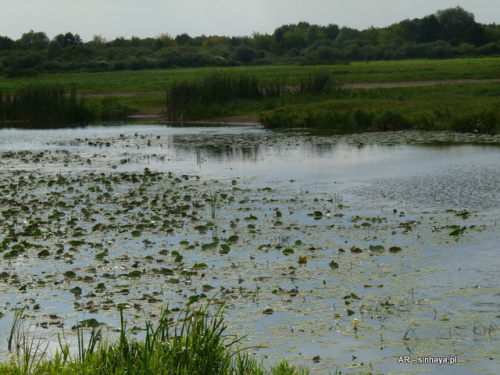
<point x="329" y="99"/>
<point x="189" y="341"/>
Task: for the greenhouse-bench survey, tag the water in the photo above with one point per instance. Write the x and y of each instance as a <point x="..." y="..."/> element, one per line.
<point x="438" y="296"/>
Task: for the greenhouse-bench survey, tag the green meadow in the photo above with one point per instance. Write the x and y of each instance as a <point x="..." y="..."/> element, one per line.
<point x="358" y="103"/>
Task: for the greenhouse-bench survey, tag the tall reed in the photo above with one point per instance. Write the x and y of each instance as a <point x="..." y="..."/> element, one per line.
<point x="191" y="100"/>
<point x="43" y="105"/>
<point x="196" y="342"/>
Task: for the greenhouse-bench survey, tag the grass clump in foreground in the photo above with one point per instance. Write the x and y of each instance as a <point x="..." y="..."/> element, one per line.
<point x="195" y="343"/>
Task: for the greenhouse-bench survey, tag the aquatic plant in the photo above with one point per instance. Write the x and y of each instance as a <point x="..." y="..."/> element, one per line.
<point x="43" y="105"/>
<point x="194" y="343"/>
<point x="210" y="96"/>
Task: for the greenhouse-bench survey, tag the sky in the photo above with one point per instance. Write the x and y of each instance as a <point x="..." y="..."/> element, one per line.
<point x="111" y="19"/>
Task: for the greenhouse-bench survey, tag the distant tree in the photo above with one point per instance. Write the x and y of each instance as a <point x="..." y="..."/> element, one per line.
<point x="313" y="34"/>
<point x="291" y="36"/>
<point x="68" y="39"/>
<point x="489" y="49"/>
<point x="492" y="33"/>
<point x="97" y="42"/>
<point x="262" y="41"/>
<point x="164" y="40"/>
<point x="347" y="35"/>
<point x="245" y="54"/>
<point x="182" y="39"/>
<point x="430" y="30"/>
<point x="215" y="40"/>
<point x="331" y="31"/>
<point x="371" y="35"/>
<point x="6" y="43"/>
<point x="476" y="35"/>
<point x="409" y="30"/>
<point x="455" y="23"/>
<point x="54" y="49"/>
<point x="439" y="50"/>
<point x="33" y="40"/>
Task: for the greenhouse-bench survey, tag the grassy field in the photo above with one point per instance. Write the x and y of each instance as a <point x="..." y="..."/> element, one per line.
<point x="142" y="91"/>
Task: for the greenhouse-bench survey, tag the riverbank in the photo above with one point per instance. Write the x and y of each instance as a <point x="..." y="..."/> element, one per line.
<point x="450" y="95"/>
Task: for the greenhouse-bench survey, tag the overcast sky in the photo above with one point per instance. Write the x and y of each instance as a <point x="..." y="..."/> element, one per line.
<point x="150" y="18"/>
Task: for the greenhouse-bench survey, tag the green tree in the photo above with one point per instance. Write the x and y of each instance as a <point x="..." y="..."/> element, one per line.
<point x="68" y="39"/>
<point x="33" y="40"/>
<point x="182" y="39"/>
<point x="245" y="54"/>
<point x="455" y="23"/>
<point x="313" y="34"/>
<point x="430" y="30"/>
<point x="6" y="43"/>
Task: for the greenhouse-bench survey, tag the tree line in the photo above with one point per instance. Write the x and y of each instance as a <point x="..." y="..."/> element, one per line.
<point x="448" y="33"/>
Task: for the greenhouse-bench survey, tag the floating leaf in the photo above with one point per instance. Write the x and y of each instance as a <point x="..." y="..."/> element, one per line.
<point x="90" y="323"/>
<point x="11" y="254"/>
<point x="224" y="249"/>
<point x="395" y="249"/>
<point x="288" y="251"/>
<point x="355" y="250"/>
<point x="268" y="311"/>
<point x="350" y="312"/>
<point x="76" y="290"/>
<point x="377" y="248"/>
<point x="121" y="306"/>
<point x="76" y="243"/>
<point x="233" y="239"/>
<point x="135" y="274"/>
<point x="302" y="260"/>
<point x="333" y="265"/>
<point x="209" y="246"/>
<point x="456" y="232"/>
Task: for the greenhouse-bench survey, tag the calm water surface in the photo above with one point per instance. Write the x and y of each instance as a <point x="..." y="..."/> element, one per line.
<point x="378" y="173"/>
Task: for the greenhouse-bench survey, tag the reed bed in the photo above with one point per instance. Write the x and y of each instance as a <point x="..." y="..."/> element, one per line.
<point x="211" y="95"/>
<point x="43" y="105"/>
<point x="52" y="105"/>
<point x="194" y="342"/>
